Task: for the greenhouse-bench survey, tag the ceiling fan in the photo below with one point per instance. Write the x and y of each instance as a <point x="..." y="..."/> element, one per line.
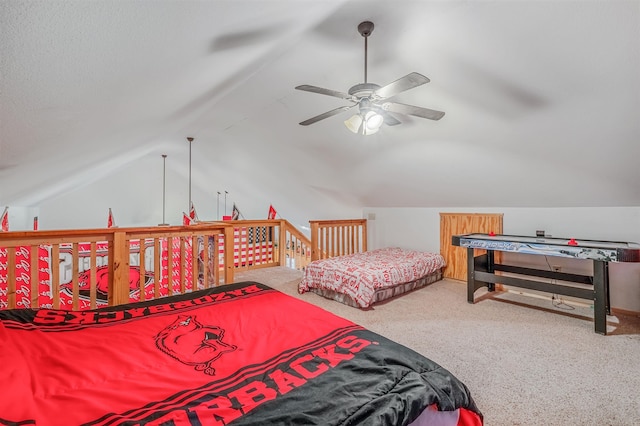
<point x="374" y="106"/>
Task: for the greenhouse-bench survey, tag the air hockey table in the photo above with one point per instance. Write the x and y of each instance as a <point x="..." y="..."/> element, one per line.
<point x="481" y="269"/>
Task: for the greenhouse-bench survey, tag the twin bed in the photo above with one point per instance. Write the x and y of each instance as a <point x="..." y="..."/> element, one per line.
<point x="362" y="279"/>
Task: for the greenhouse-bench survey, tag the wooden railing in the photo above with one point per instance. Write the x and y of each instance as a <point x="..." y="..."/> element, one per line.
<point x="330" y="238"/>
<point x="85" y="269"/>
<point x="294" y="253"/>
<point x="297" y="248"/>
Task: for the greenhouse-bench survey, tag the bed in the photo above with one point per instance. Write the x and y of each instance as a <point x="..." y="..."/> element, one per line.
<point x="239" y="354"/>
<point x="362" y="279"/>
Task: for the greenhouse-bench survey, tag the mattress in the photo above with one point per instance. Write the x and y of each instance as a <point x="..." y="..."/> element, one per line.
<point x="362" y="279"/>
<point x="241" y="354"/>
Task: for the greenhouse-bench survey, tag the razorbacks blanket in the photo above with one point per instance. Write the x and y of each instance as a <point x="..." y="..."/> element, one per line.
<point x="241" y="354"/>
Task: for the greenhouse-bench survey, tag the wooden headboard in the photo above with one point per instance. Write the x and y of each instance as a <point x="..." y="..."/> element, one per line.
<point x="330" y="238"/>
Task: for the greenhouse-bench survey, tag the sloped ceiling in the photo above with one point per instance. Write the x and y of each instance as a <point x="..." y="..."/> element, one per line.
<point x="542" y="102"/>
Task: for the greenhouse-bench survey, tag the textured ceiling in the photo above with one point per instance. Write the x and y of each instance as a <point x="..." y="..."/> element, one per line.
<point x="542" y="99"/>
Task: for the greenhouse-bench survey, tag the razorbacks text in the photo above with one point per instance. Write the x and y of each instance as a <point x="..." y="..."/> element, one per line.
<point x="225" y="406"/>
<point x="58" y="317"/>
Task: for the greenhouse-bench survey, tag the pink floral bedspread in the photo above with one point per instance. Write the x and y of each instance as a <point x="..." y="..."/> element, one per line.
<point x="359" y="275"/>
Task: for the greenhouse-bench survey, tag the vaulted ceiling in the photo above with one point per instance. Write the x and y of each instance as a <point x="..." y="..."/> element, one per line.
<point x="542" y="102"/>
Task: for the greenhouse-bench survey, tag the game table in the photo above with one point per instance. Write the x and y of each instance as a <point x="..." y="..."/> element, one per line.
<point x="481" y="270"/>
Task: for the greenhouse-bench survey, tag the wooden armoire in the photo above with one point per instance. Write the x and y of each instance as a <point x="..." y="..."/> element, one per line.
<point x="464" y="223"/>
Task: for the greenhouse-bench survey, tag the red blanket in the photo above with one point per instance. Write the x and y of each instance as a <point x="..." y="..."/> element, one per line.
<point x="238" y="354"/>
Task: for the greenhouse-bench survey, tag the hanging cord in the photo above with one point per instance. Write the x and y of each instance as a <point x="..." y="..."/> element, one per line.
<point x="556" y="300"/>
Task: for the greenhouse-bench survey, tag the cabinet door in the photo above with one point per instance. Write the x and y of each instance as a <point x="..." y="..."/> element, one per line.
<point x="464" y="223"/>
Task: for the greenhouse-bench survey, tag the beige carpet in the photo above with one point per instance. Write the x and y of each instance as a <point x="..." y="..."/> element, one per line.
<point x="524" y="365"/>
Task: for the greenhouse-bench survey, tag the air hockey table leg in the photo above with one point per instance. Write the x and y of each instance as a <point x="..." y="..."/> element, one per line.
<point x="490" y="268"/>
<point x="601" y="295"/>
<point x="478" y="263"/>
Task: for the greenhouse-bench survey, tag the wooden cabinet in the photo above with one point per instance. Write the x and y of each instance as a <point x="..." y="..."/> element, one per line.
<point x="463" y="223"/>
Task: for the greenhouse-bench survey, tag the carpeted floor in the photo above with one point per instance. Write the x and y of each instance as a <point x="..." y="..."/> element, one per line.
<point x="525" y="361"/>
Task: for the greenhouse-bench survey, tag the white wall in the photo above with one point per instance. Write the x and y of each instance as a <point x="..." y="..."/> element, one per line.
<point x="134" y="192"/>
<point x="419" y="228"/>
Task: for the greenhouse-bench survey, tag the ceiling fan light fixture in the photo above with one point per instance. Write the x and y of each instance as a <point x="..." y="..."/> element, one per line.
<point x="373" y="121"/>
<point x="354" y="123"/>
<point x="367" y="132"/>
<point x="366" y="123"/>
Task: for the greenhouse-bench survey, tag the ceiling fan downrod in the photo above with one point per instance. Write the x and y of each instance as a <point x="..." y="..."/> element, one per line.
<point x="365" y="29"/>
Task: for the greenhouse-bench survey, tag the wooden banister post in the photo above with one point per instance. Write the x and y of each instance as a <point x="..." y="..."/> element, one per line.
<point x="228" y="254"/>
<point x="364" y="235"/>
<point x="315" y="253"/>
<point x="119" y="289"/>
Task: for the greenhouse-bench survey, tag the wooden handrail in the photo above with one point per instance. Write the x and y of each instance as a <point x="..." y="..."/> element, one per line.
<point x="296" y="251"/>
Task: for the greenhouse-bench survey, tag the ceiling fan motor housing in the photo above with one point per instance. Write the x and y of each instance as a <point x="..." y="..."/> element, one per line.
<point x="363" y="89"/>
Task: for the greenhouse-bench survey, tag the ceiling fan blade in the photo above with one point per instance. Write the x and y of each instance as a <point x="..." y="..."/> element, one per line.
<point x="326" y="115"/>
<point x="431" y="114"/>
<point x="407" y="82"/>
<point x="390" y="120"/>
<point x="328" y="92"/>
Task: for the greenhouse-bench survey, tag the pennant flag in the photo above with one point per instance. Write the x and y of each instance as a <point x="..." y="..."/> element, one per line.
<point x="272" y="212"/>
<point x="192" y="213"/>
<point x="35" y="223"/>
<point x="110" y="221"/>
<point x="235" y="214"/>
<point x="4" y="220"/>
<point x="186" y="219"/>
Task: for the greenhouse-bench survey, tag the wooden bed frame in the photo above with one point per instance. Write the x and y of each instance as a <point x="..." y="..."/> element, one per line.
<point x="346" y="237"/>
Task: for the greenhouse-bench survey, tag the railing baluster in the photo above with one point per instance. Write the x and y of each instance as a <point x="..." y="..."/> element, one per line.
<point x="75" y="290"/>
<point x="11" y="277"/>
<point x="183" y="269"/>
<point x="142" y="243"/>
<point x="205" y="261"/>
<point x="157" y="269"/>
<point x="170" y="266"/>
<point x="94" y="276"/>
<point x="34" y="260"/>
<point x="55" y="275"/>
<point x="195" y="261"/>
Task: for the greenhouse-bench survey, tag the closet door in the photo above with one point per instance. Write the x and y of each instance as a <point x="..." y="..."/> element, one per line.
<point x="464" y="223"/>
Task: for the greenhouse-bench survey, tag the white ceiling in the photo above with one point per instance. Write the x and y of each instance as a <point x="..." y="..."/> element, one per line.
<point x="542" y="98"/>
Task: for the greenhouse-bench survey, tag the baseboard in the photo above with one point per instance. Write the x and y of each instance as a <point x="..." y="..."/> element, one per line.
<point x="625" y="312"/>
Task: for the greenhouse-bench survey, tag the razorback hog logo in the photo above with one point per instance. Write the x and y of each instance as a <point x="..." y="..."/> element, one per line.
<point x="102" y="283"/>
<point x="192" y="343"/>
